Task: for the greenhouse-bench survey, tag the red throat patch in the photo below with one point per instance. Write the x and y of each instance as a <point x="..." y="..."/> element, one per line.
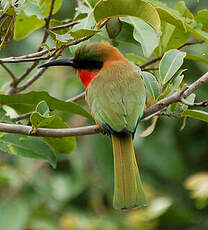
<point x="86" y="76"/>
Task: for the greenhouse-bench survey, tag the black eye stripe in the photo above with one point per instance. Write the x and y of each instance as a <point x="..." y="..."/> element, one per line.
<point x="88" y="64"/>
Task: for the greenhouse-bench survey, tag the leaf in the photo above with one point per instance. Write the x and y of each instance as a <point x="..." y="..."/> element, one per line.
<point x="183" y="10"/>
<point x="33" y="9"/>
<point x="136" y="59"/>
<point x="170" y="63"/>
<point x="151" y="84"/>
<point x="113" y="27"/>
<point x="25" y="25"/>
<point x="201" y="18"/>
<point x="88" y="22"/>
<point x="41" y="117"/>
<point x="61" y="37"/>
<point x="138" y="8"/>
<point x="64" y="144"/>
<point x="4" y="117"/>
<point x="28" y="101"/>
<point x="175" y="18"/>
<point x="144" y="34"/>
<point x="82" y="33"/>
<point x="150" y="129"/>
<point x="27" y="146"/>
<point x="197" y="57"/>
<point x="46" y="5"/>
<point x="196" y="114"/>
<point x="172" y="38"/>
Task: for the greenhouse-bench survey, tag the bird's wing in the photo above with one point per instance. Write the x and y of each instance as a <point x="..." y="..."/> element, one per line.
<point x="116" y="97"/>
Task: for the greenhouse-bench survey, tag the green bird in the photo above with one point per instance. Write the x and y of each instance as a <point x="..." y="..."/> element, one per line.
<point x="115" y="93"/>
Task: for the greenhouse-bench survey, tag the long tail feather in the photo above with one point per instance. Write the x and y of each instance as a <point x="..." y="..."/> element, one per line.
<point x="128" y="191"/>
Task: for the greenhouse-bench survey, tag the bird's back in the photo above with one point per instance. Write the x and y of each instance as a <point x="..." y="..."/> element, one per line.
<point x="116" y="97"/>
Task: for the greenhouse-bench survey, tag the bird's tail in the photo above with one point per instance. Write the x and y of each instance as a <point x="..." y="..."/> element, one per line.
<point x="128" y="191"/>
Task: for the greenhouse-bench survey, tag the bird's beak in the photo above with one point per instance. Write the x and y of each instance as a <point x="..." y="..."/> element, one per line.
<point x="62" y="62"/>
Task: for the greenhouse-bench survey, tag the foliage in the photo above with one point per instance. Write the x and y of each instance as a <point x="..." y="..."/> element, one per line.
<point x="168" y="45"/>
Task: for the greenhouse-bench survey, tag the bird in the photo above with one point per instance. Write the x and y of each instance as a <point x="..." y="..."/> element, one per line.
<point x="115" y="93"/>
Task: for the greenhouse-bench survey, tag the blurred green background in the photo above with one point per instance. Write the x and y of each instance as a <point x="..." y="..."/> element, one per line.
<point x="77" y="195"/>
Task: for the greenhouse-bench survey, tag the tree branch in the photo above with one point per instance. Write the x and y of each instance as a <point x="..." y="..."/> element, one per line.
<point x="77" y="98"/>
<point x="43" y="132"/>
<point x="9" y="72"/>
<point x="26" y="58"/>
<point x="64" y="26"/>
<point x="153" y="110"/>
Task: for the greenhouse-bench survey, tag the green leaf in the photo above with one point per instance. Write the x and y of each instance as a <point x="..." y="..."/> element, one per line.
<point x="28" y="101"/>
<point x="113" y="27"/>
<point x="25" y="25"/>
<point x="201" y="18"/>
<point x="196" y="57"/>
<point x="151" y="84"/>
<point x="176" y="80"/>
<point x="172" y="38"/>
<point x="178" y="19"/>
<point x="43" y="109"/>
<point x="41" y="117"/>
<point x="32" y="9"/>
<point x="26" y="146"/>
<point x="37" y="120"/>
<point x="170" y="63"/>
<point x="144" y="34"/>
<point x="136" y="59"/>
<point x="183" y="10"/>
<point x="88" y="22"/>
<point x="61" y="37"/>
<point x="65" y="144"/>
<point x="46" y="5"/>
<point x="4" y="117"/>
<point x="82" y="33"/>
<point x="196" y="114"/>
<point x="138" y="8"/>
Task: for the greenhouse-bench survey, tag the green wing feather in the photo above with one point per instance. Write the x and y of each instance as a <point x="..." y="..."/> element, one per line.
<point x="116" y="97"/>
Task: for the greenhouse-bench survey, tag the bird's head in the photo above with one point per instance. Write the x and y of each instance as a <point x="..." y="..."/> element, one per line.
<point x="88" y="60"/>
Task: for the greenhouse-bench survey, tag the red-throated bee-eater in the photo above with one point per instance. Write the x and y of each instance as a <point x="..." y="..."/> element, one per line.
<point x="115" y="93"/>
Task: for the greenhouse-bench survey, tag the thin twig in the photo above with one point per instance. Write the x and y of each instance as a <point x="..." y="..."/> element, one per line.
<point x="190" y="44"/>
<point x="76" y="98"/>
<point x="64" y="26"/>
<point x="24" y="58"/>
<point x="9" y="72"/>
<point x="201" y="104"/>
<point x="159" y="58"/>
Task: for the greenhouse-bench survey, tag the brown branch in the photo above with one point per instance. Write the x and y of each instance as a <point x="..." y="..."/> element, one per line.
<point x="152" y="110"/>
<point x="64" y="26"/>
<point x="26" y="58"/>
<point x="43" y="132"/>
<point x="76" y="98"/>
<point x="176" y="96"/>
<point x="190" y="44"/>
<point x="9" y="72"/>
<point x="201" y="104"/>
